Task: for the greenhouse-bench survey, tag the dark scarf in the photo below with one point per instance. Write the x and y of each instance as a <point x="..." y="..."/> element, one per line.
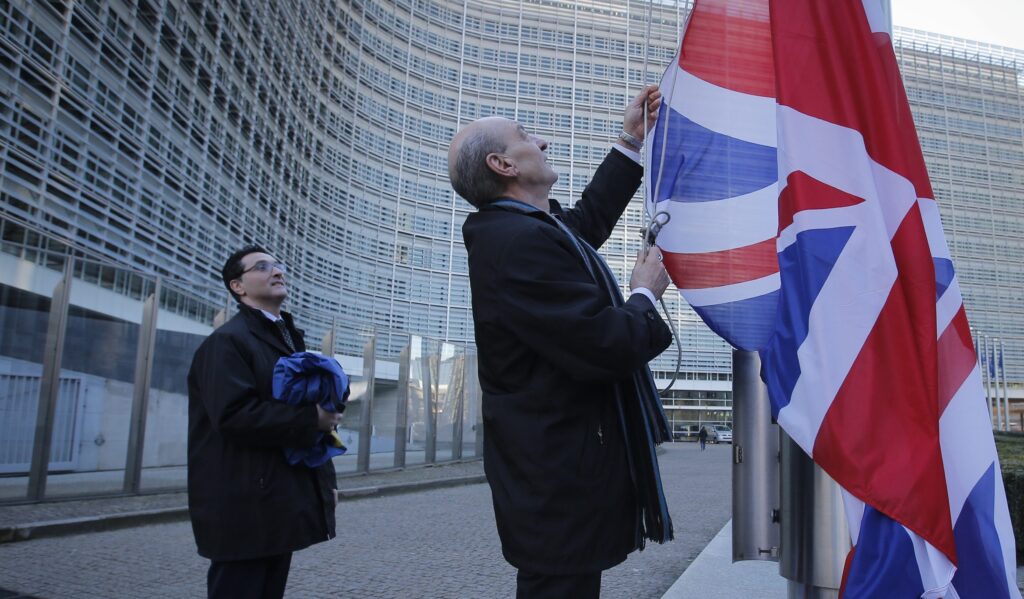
<point x="643" y="421"/>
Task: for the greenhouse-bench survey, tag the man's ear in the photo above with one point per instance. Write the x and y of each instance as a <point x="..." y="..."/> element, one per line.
<point x="501" y="165"/>
<point x="237" y="287"/>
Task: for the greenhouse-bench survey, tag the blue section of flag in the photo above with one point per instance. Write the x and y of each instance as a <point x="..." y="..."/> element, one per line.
<point x="992" y="363"/>
<point x="883" y="564"/>
<point x="803" y="266"/>
<point x="747" y="323"/>
<point x="980" y="572"/>
<point x="700" y="165"/>
<point x="943" y="275"/>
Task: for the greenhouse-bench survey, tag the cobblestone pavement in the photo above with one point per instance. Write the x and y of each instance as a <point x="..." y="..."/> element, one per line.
<point x="436" y="543"/>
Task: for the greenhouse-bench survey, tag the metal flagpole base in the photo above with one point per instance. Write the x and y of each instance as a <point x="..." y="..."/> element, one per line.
<point x="815" y="536"/>
<point x="796" y="590"/>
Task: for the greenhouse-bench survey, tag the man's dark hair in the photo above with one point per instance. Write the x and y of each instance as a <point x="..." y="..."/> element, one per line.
<point x="470" y="176"/>
<point x="233" y="267"/>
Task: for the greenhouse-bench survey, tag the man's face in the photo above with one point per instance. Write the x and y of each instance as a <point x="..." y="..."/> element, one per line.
<point x="527" y="152"/>
<point x="262" y="280"/>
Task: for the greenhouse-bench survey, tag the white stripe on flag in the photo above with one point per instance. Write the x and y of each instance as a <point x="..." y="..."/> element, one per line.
<point x="878" y="19"/>
<point x="836" y="156"/>
<point x="933" y="228"/>
<point x="935" y="568"/>
<point x="966" y="441"/>
<point x="731" y="293"/>
<point x="825" y="218"/>
<point x="742" y="116"/>
<point x="696" y="227"/>
<point x="947" y="307"/>
<point x="854" y="514"/>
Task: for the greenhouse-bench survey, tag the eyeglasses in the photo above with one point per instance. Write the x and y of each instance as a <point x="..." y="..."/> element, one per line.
<point x="264" y="267"/>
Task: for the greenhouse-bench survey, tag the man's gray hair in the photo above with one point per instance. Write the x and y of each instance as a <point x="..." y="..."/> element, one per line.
<point x="470" y="176"/>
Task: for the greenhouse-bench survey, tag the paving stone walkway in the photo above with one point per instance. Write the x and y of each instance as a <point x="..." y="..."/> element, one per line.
<point x="438" y="542"/>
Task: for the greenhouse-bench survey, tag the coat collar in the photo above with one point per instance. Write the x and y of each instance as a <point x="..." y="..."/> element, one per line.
<point x="261" y="326"/>
<point x="514" y="205"/>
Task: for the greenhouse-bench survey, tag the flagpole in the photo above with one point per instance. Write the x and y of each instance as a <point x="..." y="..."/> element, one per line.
<point x="1002" y="375"/>
<point x="995" y="384"/>
<point x="983" y="358"/>
<point x="976" y="338"/>
<point x="999" y="381"/>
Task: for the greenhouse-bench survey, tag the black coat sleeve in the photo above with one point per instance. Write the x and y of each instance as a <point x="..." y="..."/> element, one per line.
<point x="605" y="198"/>
<point x="227" y="384"/>
<point x="551" y="304"/>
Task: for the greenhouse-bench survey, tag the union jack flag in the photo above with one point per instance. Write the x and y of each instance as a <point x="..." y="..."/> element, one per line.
<point x="803" y="225"/>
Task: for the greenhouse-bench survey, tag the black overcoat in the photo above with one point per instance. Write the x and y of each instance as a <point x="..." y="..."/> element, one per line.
<point x="244" y="500"/>
<point x="552" y="353"/>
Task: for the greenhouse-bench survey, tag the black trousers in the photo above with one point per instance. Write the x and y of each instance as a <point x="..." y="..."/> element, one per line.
<point x="263" y="578"/>
<point x="544" y="586"/>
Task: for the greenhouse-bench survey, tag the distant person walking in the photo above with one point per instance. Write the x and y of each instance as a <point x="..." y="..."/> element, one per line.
<point x="702" y="436"/>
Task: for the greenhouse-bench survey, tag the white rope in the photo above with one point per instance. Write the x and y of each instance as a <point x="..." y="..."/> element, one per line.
<point x="659" y="219"/>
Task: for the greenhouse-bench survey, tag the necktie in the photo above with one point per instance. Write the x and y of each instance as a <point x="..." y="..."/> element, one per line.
<point x="284" y="333"/>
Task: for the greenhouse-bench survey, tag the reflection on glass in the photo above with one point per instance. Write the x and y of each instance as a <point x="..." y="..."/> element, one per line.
<point x="100" y="344"/>
<point x="23" y="318"/>
<point x="179" y="332"/>
<point x="354" y="420"/>
<point x="429" y="410"/>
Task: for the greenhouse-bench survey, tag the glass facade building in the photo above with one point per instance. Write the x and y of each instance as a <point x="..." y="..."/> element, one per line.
<point x="161" y="134"/>
<point x="968" y="105"/>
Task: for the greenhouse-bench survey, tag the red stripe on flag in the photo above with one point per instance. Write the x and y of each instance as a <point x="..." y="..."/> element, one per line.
<point x="728" y="43"/>
<point x="839" y="71"/>
<point x="804" y="192"/>
<point x="880" y="437"/>
<point x="956" y="357"/>
<point x="715" y="269"/>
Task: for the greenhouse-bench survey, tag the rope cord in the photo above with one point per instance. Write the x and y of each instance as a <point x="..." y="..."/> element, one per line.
<point x="660" y="218"/>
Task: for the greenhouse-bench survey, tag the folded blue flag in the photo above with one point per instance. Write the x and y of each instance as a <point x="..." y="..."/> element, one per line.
<point x="306" y="377"/>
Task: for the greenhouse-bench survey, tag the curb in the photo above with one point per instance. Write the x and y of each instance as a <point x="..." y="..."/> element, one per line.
<point x="105" y="522"/>
<point x="70" y="526"/>
<point x="397" y="488"/>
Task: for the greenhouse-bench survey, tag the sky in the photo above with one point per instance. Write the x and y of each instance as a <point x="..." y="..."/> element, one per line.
<point x="998" y="22"/>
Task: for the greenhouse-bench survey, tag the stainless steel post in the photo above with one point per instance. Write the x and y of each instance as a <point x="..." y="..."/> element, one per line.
<point x="223" y="315"/>
<point x="459" y="384"/>
<point x="140" y="392"/>
<point x="402" y="411"/>
<point x="366" y="417"/>
<point x="327" y="343"/>
<point x="755" y="466"/>
<point x="473" y="399"/>
<point x="49" y="387"/>
<point x="430" y="361"/>
<point x="815" y="539"/>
